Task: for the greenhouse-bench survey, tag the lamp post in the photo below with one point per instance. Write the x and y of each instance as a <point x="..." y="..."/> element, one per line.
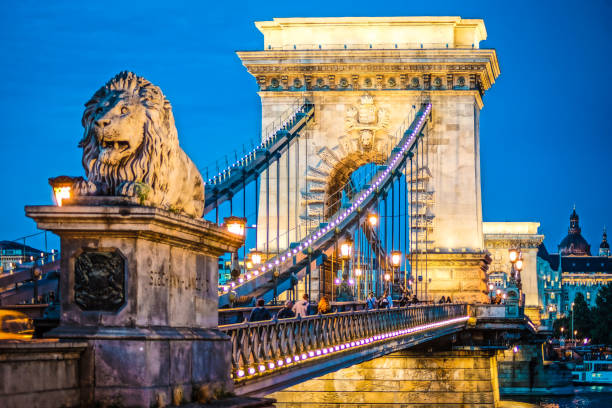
<point x="516" y="266"/>
<point x="373" y="219"/>
<point x="256" y="258"/>
<point x="573" y="331"/>
<point x="346" y="250"/>
<point x="275" y="275"/>
<point x="396" y="261"/>
<point x="358" y="285"/>
<point x="235" y="225"/>
<point x="491" y="292"/>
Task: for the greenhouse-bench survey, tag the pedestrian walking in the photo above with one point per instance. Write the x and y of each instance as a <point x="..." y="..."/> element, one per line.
<point x="323" y="306"/>
<point x="286" y="311"/>
<point x="301" y="306"/>
<point x="260" y="313"/>
<point x="371" y="301"/>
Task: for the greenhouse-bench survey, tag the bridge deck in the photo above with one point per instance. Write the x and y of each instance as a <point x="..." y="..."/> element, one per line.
<point x="271" y="355"/>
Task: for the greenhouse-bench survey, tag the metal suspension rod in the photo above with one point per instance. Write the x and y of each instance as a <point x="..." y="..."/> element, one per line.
<point x="288" y="195"/>
<point x="256" y="209"/>
<point x="297" y="188"/>
<point x="267" y="207"/>
<point x="417" y="208"/>
<point x="406" y="215"/>
<point x="245" y="217"/>
<point x="277" y="204"/>
<point x="426" y="221"/>
<point x="392" y="213"/>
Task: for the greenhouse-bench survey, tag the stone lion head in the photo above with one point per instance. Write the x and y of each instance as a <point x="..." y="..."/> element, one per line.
<point x="125" y="123"/>
<point x="130" y="148"/>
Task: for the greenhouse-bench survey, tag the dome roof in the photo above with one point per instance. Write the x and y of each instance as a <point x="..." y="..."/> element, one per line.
<point x="574" y="243"/>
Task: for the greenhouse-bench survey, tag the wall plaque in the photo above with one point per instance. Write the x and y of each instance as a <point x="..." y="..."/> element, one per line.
<point x="99" y="280"/>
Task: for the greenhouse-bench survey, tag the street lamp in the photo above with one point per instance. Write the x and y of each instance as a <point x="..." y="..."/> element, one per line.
<point x="373" y="219"/>
<point x="516" y="265"/>
<point x="491" y="287"/>
<point x="346" y="249"/>
<point x="396" y="259"/>
<point x="256" y="257"/>
<point x="235" y="225"/>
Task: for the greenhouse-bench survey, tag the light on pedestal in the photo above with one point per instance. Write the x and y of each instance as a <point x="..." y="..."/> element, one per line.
<point x="62" y="188"/>
<point x="235" y="225"/>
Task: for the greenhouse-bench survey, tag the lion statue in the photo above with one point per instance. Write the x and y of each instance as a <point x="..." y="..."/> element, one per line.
<point x="131" y="148"/>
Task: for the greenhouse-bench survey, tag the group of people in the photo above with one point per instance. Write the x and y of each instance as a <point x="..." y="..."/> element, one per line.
<point x="386" y="301"/>
<point x="300" y="308"/>
<point x="289" y="310"/>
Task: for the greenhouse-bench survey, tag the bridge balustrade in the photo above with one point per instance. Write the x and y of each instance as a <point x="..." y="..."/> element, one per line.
<point x="260" y="348"/>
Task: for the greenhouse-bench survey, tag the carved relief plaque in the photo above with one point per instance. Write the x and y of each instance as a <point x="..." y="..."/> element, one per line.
<point x="99" y="280"/>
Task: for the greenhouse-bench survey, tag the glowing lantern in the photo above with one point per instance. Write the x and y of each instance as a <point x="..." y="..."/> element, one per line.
<point x="396" y="258"/>
<point x="235" y="225"/>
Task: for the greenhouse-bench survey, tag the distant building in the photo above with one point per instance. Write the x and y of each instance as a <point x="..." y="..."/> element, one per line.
<point x="571" y="271"/>
<point x="499" y="239"/>
<point x="13" y="253"/>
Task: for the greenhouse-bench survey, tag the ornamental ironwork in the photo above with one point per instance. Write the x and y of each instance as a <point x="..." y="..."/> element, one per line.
<point x="259" y="348"/>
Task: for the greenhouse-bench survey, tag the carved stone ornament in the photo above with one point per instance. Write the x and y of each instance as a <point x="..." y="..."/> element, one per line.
<point x="365" y="123"/>
<point x="99" y="281"/>
<point x="131" y="149"/>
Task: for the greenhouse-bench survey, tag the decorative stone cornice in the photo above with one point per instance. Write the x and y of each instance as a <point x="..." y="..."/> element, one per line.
<point x="390" y="69"/>
<point x="508" y="241"/>
<point x="463" y="259"/>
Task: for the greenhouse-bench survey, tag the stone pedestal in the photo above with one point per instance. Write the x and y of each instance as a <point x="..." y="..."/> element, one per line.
<point x="460" y="275"/>
<point x="140" y="285"/>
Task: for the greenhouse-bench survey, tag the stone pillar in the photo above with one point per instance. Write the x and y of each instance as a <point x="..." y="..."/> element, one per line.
<point x="524" y="372"/>
<point x="460" y="275"/>
<point x="406" y="379"/>
<point x="139" y="284"/>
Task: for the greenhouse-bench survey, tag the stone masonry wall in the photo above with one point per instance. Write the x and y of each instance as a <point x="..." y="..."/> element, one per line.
<point x="404" y="379"/>
<point x="40" y="374"/>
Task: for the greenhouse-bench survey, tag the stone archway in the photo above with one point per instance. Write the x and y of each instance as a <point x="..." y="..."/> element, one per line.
<point x="365" y="140"/>
<point x="340" y="176"/>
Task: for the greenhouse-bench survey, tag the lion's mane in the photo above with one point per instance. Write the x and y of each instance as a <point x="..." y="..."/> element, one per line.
<point x="157" y="171"/>
<point x="149" y="164"/>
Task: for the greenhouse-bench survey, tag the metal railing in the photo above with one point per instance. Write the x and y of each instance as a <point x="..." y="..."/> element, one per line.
<point x="261" y="348"/>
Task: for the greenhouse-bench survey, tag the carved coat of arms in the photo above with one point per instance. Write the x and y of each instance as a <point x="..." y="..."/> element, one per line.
<point x="99" y="281"/>
<point x="366" y="123"/>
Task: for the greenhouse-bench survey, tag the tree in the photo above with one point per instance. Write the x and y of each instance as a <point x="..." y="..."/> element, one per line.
<point x="583" y="317"/>
<point x="564" y="323"/>
<point x="602" y="333"/>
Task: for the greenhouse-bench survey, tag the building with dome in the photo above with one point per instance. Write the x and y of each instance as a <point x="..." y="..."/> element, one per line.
<point x="571" y="271"/>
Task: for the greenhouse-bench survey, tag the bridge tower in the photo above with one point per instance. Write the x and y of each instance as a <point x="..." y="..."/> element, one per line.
<point x="362" y="74"/>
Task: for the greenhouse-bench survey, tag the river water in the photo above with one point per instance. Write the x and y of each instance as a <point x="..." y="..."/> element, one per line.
<point x="584" y="397"/>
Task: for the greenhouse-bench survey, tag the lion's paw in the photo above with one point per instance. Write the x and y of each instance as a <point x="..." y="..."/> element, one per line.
<point x="82" y="187"/>
<point x="134" y="189"/>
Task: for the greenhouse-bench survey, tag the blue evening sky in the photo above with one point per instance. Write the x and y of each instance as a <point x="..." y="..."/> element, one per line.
<point x="545" y="127"/>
